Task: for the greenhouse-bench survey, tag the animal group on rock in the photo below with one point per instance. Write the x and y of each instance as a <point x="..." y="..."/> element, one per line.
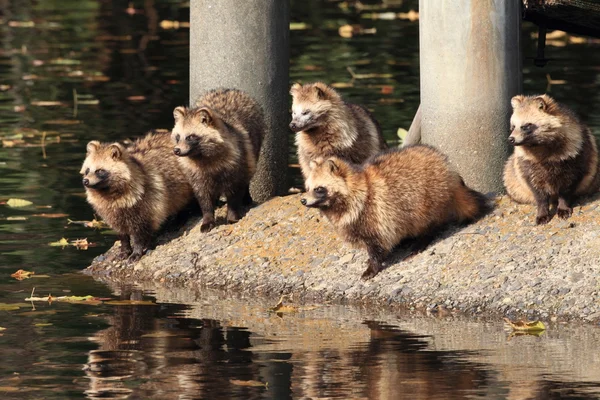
<point x="374" y="196"/>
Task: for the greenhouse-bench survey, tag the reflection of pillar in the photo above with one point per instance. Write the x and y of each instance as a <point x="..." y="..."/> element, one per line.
<point x="245" y="45"/>
<point x="470" y="68"/>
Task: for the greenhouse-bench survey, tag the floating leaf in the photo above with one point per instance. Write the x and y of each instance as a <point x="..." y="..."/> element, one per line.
<point x="526" y="326"/>
<point x="130" y="303"/>
<point x="2" y="329"/>
<point x="249" y="383"/>
<point x="22" y="274"/>
<point x="62" y="243"/>
<point x="46" y="103"/>
<point x="81" y="244"/>
<point x="90" y="224"/>
<point x="45" y="215"/>
<point x="88" y="300"/>
<point x="342" y="85"/>
<point x="9" y="307"/>
<point x="281" y="308"/>
<point x="299" y="26"/>
<point x="43" y="324"/>
<point x="16" y="218"/>
<point x="18" y="203"/>
<point x="62" y="122"/>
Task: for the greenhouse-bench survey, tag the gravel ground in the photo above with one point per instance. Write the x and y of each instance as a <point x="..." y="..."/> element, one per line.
<point x="503" y="264"/>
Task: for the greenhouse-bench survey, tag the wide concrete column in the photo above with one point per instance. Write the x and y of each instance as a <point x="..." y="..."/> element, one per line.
<point x="244" y="44"/>
<point x="470" y="69"/>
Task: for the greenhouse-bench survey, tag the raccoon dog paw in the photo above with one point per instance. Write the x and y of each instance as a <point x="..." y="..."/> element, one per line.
<point x="564" y="213"/>
<point x="542" y="219"/>
<point x="207" y="226"/>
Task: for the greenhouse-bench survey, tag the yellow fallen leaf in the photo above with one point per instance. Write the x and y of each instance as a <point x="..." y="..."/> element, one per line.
<point x="526" y="326"/>
<point x="249" y="383"/>
<point x="61" y="243"/>
<point x="46" y="103"/>
<point x="18" y="203"/>
<point x="9" y="307"/>
<point x="299" y="26"/>
<point x="43" y="324"/>
<point x="2" y="329"/>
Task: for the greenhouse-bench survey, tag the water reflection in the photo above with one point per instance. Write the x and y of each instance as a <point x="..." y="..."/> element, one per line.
<point x="175" y="351"/>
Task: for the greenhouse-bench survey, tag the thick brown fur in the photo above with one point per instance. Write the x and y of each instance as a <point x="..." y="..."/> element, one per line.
<point x="327" y="126"/>
<point x="398" y="194"/>
<point x="555" y="158"/>
<point x="135" y="189"/>
<point x="218" y="142"/>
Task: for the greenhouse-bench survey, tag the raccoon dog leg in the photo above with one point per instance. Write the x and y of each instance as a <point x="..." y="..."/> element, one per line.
<point x="564" y="209"/>
<point x="375" y="263"/>
<point x="141" y="242"/>
<point x="125" y="247"/>
<point x="543" y="208"/>
<point x="234" y="204"/>
<point x="247" y="197"/>
<point x="207" y="205"/>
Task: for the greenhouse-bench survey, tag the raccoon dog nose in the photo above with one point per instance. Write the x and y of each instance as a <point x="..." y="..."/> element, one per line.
<point x="292" y="126"/>
<point x="303" y="201"/>
<point x="177" y="151"/>
<point x="511" y="140"/>
<point x="86" y="182"/>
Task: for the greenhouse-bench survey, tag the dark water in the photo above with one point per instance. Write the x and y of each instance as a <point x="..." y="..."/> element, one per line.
<point x="126" y="64"/>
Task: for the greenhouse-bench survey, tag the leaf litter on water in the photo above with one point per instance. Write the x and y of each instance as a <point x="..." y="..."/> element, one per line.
<point x="22" y="274"/>
<point x="526" y="326"/>
<point x="15" y="203"/>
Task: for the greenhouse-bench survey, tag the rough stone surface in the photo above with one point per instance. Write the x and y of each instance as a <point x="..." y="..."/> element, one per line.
<point x="501" y="264"/>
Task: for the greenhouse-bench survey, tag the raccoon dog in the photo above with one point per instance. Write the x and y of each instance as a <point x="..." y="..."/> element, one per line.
<point x="402" y="193"/>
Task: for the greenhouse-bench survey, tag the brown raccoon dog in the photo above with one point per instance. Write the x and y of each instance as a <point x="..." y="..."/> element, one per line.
<point x="135" y="189"/>
<point x="398" y="194"/>
<point x="218" y="144"/>
<point x="555" y="158"/>
<point x="326" y="126"/>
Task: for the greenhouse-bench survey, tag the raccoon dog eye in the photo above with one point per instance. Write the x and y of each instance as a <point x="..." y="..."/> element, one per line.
<point x="512" y="128"/>
<point x="192" y="138"/>
<point x="101" y="173"/>
<point x="320" y="190"/>
<point x="305" y="112"/>
<point x="177" y="137"/>
<point x="527" y="128"/>
<point x="87" y="171"/>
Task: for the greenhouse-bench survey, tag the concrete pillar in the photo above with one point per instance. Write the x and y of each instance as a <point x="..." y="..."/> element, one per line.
<point x="470" y="69"/>
<point x="245" y="45"/>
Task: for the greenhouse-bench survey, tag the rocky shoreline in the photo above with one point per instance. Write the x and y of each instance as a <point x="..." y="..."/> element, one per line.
<point x="503" y="264"/>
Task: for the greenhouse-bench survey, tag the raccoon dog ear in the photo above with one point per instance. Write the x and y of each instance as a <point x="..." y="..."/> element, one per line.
<point x="179" y="113"/>
<point x="92" y="146"/>
<point x="334" y="168"/>
<point x="295" y="88"/>
<point x="516" y="101"/>
<point x="116" y="151"/>
<point x="541" y="102"/>
<point x="205" y="116"/>
<point x="320" y="93"/>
